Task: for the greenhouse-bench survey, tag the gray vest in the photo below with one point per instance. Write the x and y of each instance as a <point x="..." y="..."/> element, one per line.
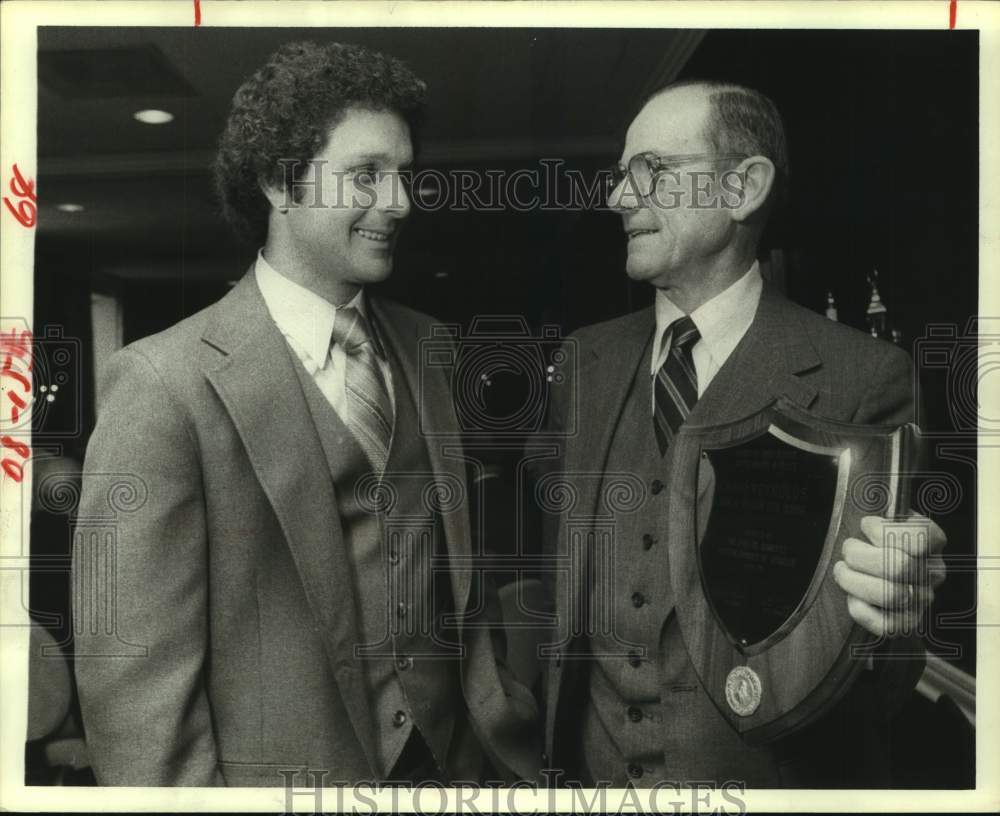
<point x="646" y="717"/>
<point x="398" y="563"/>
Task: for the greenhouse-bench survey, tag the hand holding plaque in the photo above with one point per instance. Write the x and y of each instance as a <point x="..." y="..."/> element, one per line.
<point x="890" y="578"/>
<point x="761" y="510"/>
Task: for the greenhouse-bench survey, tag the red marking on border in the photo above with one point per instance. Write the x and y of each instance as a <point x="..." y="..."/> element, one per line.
<point x="12" y="467"/>
<point x="23" y="381"/>
<point x="18" y="351"/>
<point x="26" y="212"/>
<point x="952" y="13"/>
<point x="18" y="447"/>
<point x="11" y="343"/>
<point x="197" y="12"/>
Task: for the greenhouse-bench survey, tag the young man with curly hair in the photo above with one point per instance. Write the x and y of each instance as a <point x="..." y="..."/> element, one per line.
<point x="302" y="541"/>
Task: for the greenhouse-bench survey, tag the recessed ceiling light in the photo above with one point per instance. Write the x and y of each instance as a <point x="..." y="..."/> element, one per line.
<point x="153" y="117"/>
<point x="69" y="207"/>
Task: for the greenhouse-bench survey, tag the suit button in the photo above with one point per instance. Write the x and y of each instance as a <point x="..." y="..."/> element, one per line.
<point x="656" y="486"/>
<point x="647" y="541"/>
<point x="399" y="719"/>
<point x="404" y="662"/>
<point x="634" y="771"/>
<point x="638" y="599"/>
<point x="634" y="659"/>
<point x="635" y="714"/>
<point x="401" y="609"/>
<point x="393" y="556"/>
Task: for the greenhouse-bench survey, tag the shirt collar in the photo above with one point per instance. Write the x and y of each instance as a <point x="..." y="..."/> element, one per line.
<point x="299" y="313"/>
<point x="721" y="321"/>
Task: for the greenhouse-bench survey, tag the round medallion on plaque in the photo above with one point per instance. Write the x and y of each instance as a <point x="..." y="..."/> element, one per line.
<point x="743" y="690"/>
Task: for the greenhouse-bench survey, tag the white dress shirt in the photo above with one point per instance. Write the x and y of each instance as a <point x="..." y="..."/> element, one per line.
<point x="721" y="322"/>
<point x="306" y="321"/>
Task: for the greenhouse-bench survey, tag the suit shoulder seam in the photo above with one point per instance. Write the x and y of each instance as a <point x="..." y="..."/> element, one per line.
<point x="171" y="399"/>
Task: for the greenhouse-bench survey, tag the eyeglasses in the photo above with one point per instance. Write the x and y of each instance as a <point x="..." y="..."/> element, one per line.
<point x="644" y="167"/>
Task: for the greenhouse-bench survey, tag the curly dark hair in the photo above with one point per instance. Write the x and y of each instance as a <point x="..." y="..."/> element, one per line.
<point x="286" y="110"/>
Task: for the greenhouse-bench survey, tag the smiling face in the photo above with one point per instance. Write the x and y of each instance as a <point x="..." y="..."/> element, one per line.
<point x="670" y="243"/>
<point x="341" y="235"/>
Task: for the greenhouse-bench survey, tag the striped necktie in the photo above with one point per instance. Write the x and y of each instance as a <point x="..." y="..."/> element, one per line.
<point x="676" y="387"/>
<point x="369" y="409"/>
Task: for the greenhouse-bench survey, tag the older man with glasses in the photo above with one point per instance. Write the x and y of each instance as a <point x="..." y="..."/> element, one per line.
<point x="702" y="166"/>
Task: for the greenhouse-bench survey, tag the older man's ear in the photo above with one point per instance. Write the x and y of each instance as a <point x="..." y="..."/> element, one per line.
<point x="750" y="184"/>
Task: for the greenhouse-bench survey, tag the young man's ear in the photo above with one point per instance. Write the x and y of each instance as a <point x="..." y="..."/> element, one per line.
<point x="748" y="186"/>
<point x="279" y="198"/>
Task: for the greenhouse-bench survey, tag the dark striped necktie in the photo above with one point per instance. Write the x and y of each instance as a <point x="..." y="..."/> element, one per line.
<point x="369" y="409"/>
<point x="676" y="387"/>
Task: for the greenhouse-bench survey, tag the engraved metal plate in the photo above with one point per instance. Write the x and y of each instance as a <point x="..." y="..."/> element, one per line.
<point x="743" y="691"/>
<point x="777" y="505"/>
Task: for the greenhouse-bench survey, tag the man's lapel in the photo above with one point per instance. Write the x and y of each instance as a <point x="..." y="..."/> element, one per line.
<point x="606" y="375"/>
<point x="438" y="424"/>
<point x="763" y="366"/>
<point x="605" y="378"/>
<point x="257" y="384"/>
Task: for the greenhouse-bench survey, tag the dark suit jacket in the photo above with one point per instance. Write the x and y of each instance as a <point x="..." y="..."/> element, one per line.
<point x="827" y="368"/>
<point x="232" y="572"/>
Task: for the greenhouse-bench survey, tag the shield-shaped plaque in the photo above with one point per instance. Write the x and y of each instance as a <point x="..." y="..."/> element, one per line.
<point x="760" y="509"/>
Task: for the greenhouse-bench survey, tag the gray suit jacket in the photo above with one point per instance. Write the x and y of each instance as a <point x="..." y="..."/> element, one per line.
<point x="232" y="574"/>
<point x="829" y="369"/>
